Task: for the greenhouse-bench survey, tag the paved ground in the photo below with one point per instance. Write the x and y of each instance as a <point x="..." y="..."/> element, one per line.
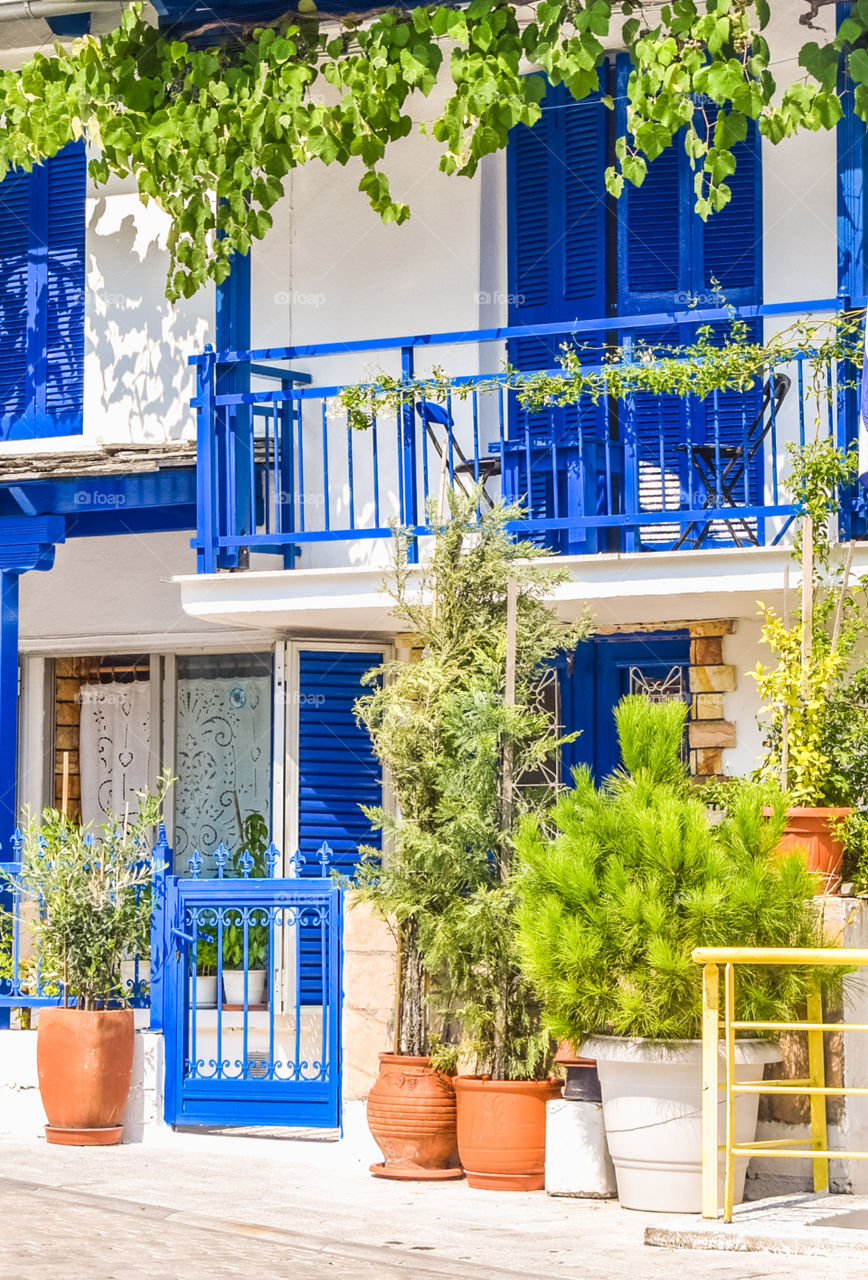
<point x="212" y="1207"/>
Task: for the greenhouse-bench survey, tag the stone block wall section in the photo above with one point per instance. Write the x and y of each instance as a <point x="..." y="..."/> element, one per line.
<point x="711" y="678"/>
<point x="368" y="1020"/>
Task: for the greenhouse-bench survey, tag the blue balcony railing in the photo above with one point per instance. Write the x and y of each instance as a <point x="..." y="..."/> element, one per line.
<point x="282" y="470"/>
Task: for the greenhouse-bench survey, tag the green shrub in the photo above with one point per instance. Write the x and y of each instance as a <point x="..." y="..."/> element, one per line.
<point x="624" y="880"/>
<point x="92" y="894"/>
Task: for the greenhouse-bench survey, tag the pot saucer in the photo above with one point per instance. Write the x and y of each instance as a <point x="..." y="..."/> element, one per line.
<point x="415" y="1175"/>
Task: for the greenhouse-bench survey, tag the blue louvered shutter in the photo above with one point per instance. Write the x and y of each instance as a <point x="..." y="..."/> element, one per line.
<point x="731" y="254"/>
<point x="667" y="256"/>
<point x="556" y="205"/>
<point x="14" y="241"/>
<point x="655" y="267"/>
<point x="42" y="253"/>
<point x="337" y="773"/>
<point x="66" y="177"/>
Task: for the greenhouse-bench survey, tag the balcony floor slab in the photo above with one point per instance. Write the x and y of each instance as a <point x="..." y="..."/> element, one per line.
<point x="650" y="587"/>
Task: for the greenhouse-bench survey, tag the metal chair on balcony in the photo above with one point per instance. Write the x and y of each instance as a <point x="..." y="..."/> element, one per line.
<point x="723" y="468"/>
<point x="466" y="469"/>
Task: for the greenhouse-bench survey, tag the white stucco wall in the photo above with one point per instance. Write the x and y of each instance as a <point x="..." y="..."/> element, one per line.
<point x="112" y="593"/>
<point x="744" y="650"/>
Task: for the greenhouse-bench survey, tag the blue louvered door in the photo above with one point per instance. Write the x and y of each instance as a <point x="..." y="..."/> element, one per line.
<point x="337" y="774"/>
<point x="557" y="274"/>
<point x="42" y="282"/>
<point x="669" y="260"/>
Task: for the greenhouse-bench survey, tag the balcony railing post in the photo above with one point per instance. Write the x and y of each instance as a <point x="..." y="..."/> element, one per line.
<point x="408" y="461"/>
<point x="631" y="460"/>
<point x="159" y="949"/>
<point x="710" y="1087"/>
<point x="817" y="1077"/>
<point x="207" y="520"/>
<point x="851" y="522"/>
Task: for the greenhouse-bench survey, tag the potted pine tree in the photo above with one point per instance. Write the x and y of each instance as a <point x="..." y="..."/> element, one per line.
<point x="444" y="726"/>
<point x="92" y="910"/>
<point x="620" y="883"/>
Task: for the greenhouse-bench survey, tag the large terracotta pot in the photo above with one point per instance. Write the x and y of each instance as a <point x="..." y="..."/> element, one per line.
<point x="411" y="1115"/>
<point x="811" y="831"/>
<point x="85" y="1065"/>
<point x="502" y="1131"/>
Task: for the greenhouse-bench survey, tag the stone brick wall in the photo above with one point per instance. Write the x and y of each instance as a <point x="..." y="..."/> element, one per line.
<point x="709" y="731"/>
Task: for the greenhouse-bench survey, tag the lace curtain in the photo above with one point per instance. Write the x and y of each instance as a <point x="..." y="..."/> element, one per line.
<point x="114" y="748"/>
<point x="223" y="751"/>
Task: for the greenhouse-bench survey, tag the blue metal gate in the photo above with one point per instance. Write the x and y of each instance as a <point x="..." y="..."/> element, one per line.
<point x="247" y="1041"/>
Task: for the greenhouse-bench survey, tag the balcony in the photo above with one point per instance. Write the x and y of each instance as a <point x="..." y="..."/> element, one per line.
<point x="285" y="470"/>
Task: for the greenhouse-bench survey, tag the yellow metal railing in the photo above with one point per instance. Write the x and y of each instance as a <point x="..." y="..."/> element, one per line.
<point x="712" y="958"/>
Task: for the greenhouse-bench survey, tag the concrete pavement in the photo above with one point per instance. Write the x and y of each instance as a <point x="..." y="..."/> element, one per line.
<point x="210" y="1206"/>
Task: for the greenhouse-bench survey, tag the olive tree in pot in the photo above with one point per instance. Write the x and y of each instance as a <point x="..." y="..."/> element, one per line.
<point x="441" y="727"/>
<point x="620" y="884"/>
<point x="92" y="897"/>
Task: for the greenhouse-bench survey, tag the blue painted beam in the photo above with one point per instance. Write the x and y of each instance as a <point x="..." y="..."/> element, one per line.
<point x="8" y="702"/>
<point x="151" y="502"/>
<point x="232" y="329"/>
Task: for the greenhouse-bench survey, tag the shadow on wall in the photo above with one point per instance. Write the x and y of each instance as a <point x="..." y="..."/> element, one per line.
<point x="137" y="380"/>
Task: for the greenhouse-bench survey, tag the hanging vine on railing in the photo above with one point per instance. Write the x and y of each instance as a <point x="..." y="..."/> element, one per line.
<point x="210" y="125"/>
<point x="697" y="369"/>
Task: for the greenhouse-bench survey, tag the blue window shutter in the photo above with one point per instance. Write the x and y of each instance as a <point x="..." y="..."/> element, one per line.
<point x="556" y="207"/>
<point x="557" y="210"/>
<point x="654" y="252"/>
<point x="337" y="773"/>
<point x="42" y="256"/>
<point x="14" y="241"/>
<point x="731" y="240"/>
<point x="65" y="180"/>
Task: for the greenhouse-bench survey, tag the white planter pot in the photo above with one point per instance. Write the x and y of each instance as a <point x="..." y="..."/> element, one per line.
<point x="652" y="1108"/>
<point x="233" y="986"/>
<point x="206" y="991"/>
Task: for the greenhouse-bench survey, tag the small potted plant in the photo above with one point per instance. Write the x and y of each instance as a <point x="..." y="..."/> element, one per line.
<point x="621" y="883"/>
<point x="92" y="909"/>
<point x="205" y="972"/>
<point x="812" y="692"/>
<point x="250" y="861"/>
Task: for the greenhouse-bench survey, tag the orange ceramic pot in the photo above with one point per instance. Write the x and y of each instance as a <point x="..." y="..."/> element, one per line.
<point x="502" y="1131"/>
<point x="411" y="1116"/>
<point x="85" y="1064"/>
<point x="810" y="830"/>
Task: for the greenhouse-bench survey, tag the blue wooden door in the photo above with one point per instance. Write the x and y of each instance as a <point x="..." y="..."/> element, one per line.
<point x="338" y="773"/>
<point x="600" y="672"/>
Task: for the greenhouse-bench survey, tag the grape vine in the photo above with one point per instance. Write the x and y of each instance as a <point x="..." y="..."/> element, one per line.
<point x="210" y="125"/>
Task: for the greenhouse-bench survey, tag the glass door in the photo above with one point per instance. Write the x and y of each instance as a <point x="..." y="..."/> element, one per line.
<point x="222" y="711"/>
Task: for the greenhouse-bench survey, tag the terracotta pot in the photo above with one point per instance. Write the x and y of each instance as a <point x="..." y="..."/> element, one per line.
<point x="411" y="1115"/>
<point x="810" y="830"/>
<point x="85" y="1064"/>
<point x="502" y="1131"/>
